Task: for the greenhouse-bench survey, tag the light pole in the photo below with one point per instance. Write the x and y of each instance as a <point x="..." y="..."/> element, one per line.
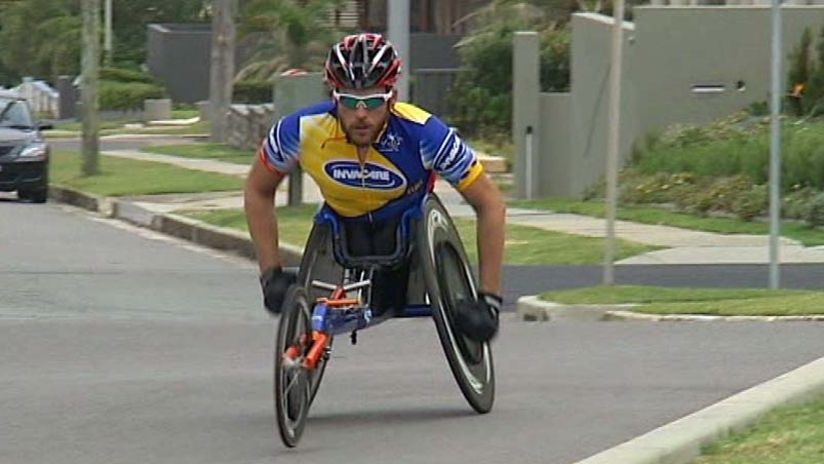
<point x="107" y="40"/>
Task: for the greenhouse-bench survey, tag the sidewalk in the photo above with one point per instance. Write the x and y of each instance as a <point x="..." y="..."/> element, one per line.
<point x="682" y="246"/>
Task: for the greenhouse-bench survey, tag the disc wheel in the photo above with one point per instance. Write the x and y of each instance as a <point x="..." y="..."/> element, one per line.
<point x="295" y="385"/>
<point x="450" y="282"/>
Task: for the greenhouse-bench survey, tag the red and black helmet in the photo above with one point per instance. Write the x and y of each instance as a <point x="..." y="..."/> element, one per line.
<point x="362" y="61"/>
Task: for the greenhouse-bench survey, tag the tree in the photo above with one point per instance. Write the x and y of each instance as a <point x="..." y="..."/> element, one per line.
<point x="290" y="34"/>
<point x="34" y="32"/>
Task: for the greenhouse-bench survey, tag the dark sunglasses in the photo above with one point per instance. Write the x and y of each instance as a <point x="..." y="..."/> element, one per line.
<point x="370" y="102"/>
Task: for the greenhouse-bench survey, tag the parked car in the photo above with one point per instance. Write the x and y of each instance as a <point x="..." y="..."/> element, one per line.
<point x="24" y="153"/>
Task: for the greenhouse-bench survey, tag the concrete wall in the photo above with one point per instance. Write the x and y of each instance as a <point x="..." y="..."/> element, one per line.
<point x="681" y="65"/>
<point x="179" y="54"/>
<point x="590" y="68"/>
<point x="723" y="48"/>
<point x="180" y="57"/>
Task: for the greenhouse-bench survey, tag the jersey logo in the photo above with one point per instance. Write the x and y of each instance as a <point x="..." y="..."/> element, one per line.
<point x="373" y="176"/>
<point x="392" y="142"/>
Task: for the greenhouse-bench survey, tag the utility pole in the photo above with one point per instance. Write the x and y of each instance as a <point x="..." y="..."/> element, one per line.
<point x="89" y="84"/>
<point x="107" y="40"/>
<point x="222" y="66"/>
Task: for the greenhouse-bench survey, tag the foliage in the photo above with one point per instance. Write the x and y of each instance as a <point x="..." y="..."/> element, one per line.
<point x="126" y="95"/>
<point x="806" y="76"/>
<point x="482" y="93"/>
<point x="815" y="211"/>
<point x="290" y="34"/>
<point x="42" y="38"/>
<point x="126" y="75"/>
<point x="252" y="91"/>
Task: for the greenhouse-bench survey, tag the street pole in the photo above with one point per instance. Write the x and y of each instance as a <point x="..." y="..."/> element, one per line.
<point x="222" y="67"/>
<point x="775" y="146"/>
<point x="398" y="20"/>
<point x="89" y="83"/>
<point x="614" y="139"/>
<point x="107" y="41"/>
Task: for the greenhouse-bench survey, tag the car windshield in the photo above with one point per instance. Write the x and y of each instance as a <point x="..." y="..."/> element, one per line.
<point x="15" y="113"/>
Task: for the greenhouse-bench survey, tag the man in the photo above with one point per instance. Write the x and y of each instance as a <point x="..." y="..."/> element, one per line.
<point x="374" y="158"/>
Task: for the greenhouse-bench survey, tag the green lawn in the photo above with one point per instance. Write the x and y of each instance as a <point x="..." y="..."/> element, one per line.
<point x="706" y="301"/>
<point x="525" y="245"/>
<point x="787" y="435"/>
<point x="124" y="177"/>
<point x="212" y="151"/>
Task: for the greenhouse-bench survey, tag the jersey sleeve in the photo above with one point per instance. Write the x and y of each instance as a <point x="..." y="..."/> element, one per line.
<point x="446" y="153"/>
<point x="281" y="147"/>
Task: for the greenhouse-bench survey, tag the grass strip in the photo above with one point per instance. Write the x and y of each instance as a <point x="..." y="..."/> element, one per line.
<point x="126" y="177"/>
<point x="705" y="301"/>
<point x="210" y="151"/>
<point x="525" y="245"/>
<point x="787" y="435"/>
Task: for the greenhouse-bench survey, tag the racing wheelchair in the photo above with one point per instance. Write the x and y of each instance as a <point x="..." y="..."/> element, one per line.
<point x="332" y="297"/>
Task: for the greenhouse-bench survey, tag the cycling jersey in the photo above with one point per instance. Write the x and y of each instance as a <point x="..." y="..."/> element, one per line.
<point x="399" y="167"/>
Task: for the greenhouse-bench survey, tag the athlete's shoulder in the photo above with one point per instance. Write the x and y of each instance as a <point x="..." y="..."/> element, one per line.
<point x="411" y="113"/>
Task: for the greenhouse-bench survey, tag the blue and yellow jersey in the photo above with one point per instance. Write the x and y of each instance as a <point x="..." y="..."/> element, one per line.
<point x="399" y="169"/>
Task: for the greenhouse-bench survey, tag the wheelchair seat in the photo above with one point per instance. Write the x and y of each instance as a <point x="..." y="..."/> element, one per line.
<point x="403" y="242"/>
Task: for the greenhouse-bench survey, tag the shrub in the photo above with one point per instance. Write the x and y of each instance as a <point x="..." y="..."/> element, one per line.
<point x="796" y="203"/>
<point x="126" y="75"/>
<point x="719" y="196"/>
<point x="126" y="96"/>
<point x="481" y="96"/>
<point x="752" y="203"/>
<point x="252" y="91"/>
<point x="815" y="211"/>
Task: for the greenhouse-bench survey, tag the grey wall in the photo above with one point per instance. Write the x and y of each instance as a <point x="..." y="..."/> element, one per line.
<point x="179" y="54"/>
<point x="677" y="48"/>
<point x="589" y="98"/>
<point x="667" y="52"/>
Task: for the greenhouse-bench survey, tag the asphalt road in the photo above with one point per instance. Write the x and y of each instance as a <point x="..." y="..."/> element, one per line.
<point x="119" y="345"/>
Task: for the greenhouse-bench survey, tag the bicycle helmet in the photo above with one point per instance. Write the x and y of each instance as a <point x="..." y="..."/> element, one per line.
<point x="362" y="61"/>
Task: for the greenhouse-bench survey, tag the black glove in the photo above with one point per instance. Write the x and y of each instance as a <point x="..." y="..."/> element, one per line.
<point x="275" y="282"/>
<point x="478" y="320"/>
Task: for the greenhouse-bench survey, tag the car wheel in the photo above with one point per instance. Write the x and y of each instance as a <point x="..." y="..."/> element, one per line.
<point x="36" y="196"/>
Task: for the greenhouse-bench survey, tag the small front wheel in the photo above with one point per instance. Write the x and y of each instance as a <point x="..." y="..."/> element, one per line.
<point x="295" y="385"/>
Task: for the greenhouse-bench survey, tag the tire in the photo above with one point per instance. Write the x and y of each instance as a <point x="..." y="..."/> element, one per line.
<point x="316" y="264"/>
<point x="39" y="195"/>
<point x="294" y="386"/>
<point x="449" y="279"/>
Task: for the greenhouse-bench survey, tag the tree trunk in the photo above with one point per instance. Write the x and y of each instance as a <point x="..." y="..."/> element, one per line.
<point x="90" y="65"/>
<point x="222" y="67"/>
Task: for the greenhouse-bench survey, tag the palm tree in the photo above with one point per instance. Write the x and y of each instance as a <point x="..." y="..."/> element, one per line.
<point x="289" y="34"/>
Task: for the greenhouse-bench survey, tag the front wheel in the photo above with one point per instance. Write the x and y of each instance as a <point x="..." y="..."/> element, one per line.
<point x="449" y="282"/>
<point x="295" y="385"/>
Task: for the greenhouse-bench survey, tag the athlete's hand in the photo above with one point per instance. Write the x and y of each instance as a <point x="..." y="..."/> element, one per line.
<point x="478" y="320"/>
<point x="274" y="282"/>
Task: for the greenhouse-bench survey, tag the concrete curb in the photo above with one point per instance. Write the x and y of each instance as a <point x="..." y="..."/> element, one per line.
<point x="207" y="235"/>
<point x="680" y="442"/>
<point x="532" y="308"/>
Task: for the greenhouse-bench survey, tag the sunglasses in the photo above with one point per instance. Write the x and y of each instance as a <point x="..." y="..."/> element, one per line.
<point x="370" y="102"/>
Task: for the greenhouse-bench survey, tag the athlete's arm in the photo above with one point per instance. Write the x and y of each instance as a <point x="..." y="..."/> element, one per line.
<point x="259" y="204"/>
<point x="444" y="151"/>
<point x="490" y="208"/>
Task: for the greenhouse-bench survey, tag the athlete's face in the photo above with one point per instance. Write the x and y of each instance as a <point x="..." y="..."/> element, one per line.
<point x="363" y="112"/>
